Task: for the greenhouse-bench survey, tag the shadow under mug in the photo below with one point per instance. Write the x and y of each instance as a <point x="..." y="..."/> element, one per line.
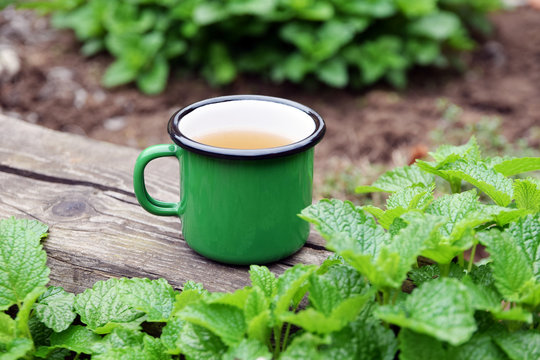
<point x="239" y="206"/>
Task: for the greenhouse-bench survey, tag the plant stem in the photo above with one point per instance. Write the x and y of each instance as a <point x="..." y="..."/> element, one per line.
<point x="455" y="185"/>
<point x="445" y="269"/>
<point x="461" y="260"/>
<point x="277" y="339"/>
<point x="286" y="337"/>
<point x="471" y="258"/>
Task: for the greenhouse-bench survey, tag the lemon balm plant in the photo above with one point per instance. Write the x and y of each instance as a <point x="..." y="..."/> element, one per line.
<point x="336" y="42"/>
<point x="353" y="306"/>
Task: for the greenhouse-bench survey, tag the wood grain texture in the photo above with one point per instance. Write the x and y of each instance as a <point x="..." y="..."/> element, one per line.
<point x="82" y="189"/>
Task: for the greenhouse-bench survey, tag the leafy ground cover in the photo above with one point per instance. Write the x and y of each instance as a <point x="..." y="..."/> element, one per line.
<point x="333" y="41"/>
<point x="355" y="305"/>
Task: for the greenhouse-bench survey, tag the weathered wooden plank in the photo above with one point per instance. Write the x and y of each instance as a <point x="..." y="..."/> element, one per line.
<point x="82" y="189"/>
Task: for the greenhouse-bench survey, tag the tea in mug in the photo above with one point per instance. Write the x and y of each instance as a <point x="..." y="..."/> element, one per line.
<point x="243" y="139"/>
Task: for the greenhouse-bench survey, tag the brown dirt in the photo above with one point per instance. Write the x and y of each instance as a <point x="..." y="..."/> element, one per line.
<point x="58" y="88"/>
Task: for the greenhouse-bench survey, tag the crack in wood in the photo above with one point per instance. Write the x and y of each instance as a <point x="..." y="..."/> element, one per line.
<point x="58" y="180"/>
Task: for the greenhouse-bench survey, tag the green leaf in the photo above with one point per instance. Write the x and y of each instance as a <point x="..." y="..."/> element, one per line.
<point x="417" y="7"/>
<point x="55" y="308"/>
<point x="370" y="8"/>
<point x="526" y="232"/>
<point x="399" y="178"/>
<point x="248" y="350"/>
<point x="333" y="72"/>
<point x="264" y="279"/>
<point x="431" y="272"/>
<point x="170" y="335"/>
<point x="225" y="321"/>
<point x="494" y="184"/>
<point x="131" y="345"/>
<point x="290" y="285"/>
<point x="153" y="78"/>
<point x="156" y="298"/>
<point x="198" y="343"/>
<point x="346" y="227"/>
<point x="220" y="68"/>
<point x="16" y="349"/>
<point x="92" y="47"/>
<point x="119" y="73"/>
<point x="437" y="26"/>
<point x="527" y="195"/>
<point x="520" y="345"/>
<point x="22" y="260"/>
<point x="413" y="197"/>
<point x="255" y="303"/>
<point x="361" y="340"/>
<point x="439" y="308"/>
<point x="237" y="298"/>
<point x="517" y="166"/>
<point x="389" y="269"/>
<point x="329" y="290"/>
<point x="303" y="347"/>
<point x="7" y="328"/>
<point x="512" y="272"/>
<point x="454" y="207"/>
<point x="415" y="346"/>
<point x="258" y="327"/>
<point x="78" y="339"/>
<point x="317" y="322"/>
<point x="450" y="153"/>
<point x="104" y="306"/>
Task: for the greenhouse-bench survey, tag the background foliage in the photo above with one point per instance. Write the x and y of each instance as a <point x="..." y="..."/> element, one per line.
<point x="337" y="42"/>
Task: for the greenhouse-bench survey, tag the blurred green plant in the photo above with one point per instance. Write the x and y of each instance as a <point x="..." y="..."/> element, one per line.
<point x="336" y="42"/>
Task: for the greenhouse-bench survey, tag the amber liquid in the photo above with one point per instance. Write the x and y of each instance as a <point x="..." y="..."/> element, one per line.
<point x="242" y="139"/>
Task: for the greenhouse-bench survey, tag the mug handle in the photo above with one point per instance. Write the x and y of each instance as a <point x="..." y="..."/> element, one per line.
<point x="148" y="203"/>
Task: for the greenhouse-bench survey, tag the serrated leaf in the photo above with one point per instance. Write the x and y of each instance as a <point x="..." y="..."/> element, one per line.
<point x="256" y="302"/>
<point x="225" y="321"/>
<point x="104" y="306"/>
<point x="317" y="322"/>
<point x="527" y="195"/>
<point x="131" y="345"/>
<point x="454" y="207"/>
<point x="303" y="347"/>
<point x="414" y="197"/>
<point x="237" y="298"/>
<point x="199" y="343"/>
<point x="263" y="278"/>
<point x="526" y="232"/>
<point x="22" y="260"/>
<point x="333" y="72"/>
<point x="16" y="349"/>
<point x="55" y="308"/>
<point x="248" y="349"/>
<point x="517" y="166"/>
<point x="389" y="269"/>
<point x="258" y="327"/>
<point x="361" y="340"/>
<point x="512" y="272"/>
<point x="156" y="298"/>
<point x="290" y="283"/>
<point x="340" y="282"/>
<point x="399" y="178"/>
<point x="494" y="184"/>
<point x="520" y="345"/>
<point x="170" y="335"/>
<point x="439" y="308"/>
<point x="415" y="346"/>
<point x="346" y="227"/>
<point x="431" y="272"/>
<point x="450" y="153"/>
<point x="7" y="328"/>
<point x="76" y="338"/>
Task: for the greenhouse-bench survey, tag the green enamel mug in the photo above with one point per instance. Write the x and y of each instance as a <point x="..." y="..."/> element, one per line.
<point x="239" y="206"/>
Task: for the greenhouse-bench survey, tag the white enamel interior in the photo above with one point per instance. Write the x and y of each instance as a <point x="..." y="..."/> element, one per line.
<point x="248" y="115"/>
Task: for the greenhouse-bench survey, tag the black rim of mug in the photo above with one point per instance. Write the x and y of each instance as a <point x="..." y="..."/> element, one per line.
<point x="266" y="153"/>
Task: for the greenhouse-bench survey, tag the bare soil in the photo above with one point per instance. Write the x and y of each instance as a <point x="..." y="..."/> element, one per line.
<point x="58" y="88"/>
